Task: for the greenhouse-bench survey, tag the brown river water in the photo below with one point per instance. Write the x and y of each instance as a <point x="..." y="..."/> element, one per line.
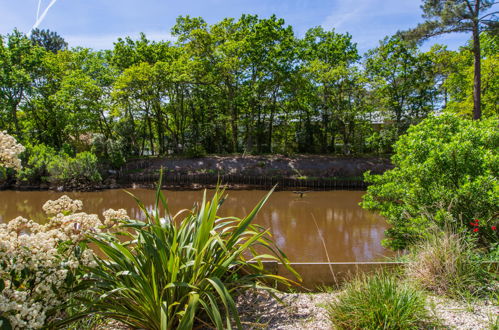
<point x="349" y="232"/>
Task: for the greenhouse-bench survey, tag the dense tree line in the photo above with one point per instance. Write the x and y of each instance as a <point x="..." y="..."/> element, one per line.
<point x="240" y="85"/>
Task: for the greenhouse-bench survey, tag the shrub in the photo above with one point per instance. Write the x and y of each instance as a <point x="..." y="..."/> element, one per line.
<point x="9" y="151"/>
<point x="110" y="150"/>
<point x="444" y="263"/>
<point x="379" y="301"/>
<point x="175" y="271"/>
<point x="196" y="151"/>
<point x="443" y="165"/>
<point x="36" y="159"/>
<point x="80" y="170"/>
<point x="38" y="263"/>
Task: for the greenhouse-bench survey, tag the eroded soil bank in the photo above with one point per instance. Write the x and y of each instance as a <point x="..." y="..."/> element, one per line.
<point x="312" y="172"/>
<point x="273" y="165"/>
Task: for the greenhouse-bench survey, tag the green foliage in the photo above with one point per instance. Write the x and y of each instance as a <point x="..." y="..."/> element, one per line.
<point x="77" y="171"/>
<point x="447" y="264"/>
<point x="179" y="271"/>
<point x="382" y="142"/>
<point x="403" y="81"/>
<point x="459" y="80"/>
<point x="49" y="40"/>
<point x="112" y="150"/>
<point x="379" y="301"/>
<point x="240" y="85"/>
<point x="444" y="166"/>
<point x="196" y="151"/>
<point x="450" y="16"/>
<point x="36" y="160"/>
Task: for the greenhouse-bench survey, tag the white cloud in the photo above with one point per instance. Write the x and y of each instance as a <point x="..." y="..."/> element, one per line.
<point x="369" y="21"/>
<point x="105" y="41"/>
<point x="345" y="12"/>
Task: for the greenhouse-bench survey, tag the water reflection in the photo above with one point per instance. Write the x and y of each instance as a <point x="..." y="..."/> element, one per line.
<point x="350" y="233"/>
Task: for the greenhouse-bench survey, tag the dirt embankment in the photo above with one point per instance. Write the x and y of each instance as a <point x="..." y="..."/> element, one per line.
<point x="312" y="166"/>
<point x="316" y="172"/>
<point x="303" y="172"/>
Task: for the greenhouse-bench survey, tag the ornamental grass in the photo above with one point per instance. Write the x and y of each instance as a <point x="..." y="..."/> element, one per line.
<point x="448" y="264"/>
<point x="379" y="301"/>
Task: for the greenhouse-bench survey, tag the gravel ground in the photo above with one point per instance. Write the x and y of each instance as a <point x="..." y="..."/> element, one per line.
<point x="297" y="311"/>
<point x="258" y="310"/>
<point x="461" y="315"/>
<point x="306" y="311"/>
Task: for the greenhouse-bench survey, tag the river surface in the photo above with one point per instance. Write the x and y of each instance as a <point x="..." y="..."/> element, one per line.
<point x="348" y="232"/>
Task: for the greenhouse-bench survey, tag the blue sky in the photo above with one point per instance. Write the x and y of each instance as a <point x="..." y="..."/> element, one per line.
<point x="98" y="23"/>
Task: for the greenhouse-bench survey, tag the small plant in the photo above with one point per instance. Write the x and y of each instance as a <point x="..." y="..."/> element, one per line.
<point x="177" y="271"/>
<point x="445" y="263"/>
<point x="379" y="301"/>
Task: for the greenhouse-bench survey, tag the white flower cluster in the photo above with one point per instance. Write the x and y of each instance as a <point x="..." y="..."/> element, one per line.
<point x="9" y="151"/>
<point x="36" y="260"/>
<point x="111" y="217"/>
<point x="62" y="205"/>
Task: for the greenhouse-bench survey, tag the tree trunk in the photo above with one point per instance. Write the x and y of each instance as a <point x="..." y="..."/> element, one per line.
<point x="16" y="120"/>
<point x="477" y="111"/>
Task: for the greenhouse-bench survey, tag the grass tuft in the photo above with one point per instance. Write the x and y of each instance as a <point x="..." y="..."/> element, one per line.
<point x="379" y="301"/>
<point x="445" y="264"/>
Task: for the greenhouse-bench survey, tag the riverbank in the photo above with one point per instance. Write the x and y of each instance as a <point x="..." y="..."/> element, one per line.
<point x="299" y="172"/>
<point x="304" y="166"/>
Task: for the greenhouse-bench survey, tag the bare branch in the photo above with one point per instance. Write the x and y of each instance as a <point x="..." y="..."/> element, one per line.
<point x="496" y="12"/>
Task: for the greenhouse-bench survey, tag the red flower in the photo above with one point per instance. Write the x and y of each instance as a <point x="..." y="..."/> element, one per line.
<point x="476" y="220"/>
<point x="475" y="230"/>
<point x="493" y="227"/>
<point x="473" y="224"/>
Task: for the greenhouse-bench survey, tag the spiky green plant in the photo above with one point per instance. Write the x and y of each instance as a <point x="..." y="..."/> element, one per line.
<point x="178" y="271"/>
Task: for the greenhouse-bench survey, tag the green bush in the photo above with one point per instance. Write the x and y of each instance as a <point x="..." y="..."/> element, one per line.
<point x="36" y="160"/>
<point x="380" y="301"/>
<point x="445" y="168"/>
<point x="80" y="170"/>
<point x="196" y="151"/>
<point x="178" y="271"/>
<point x="109" y="150"/>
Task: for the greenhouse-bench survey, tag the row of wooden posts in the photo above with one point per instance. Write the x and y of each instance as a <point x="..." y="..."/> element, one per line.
<point x="206" y="179"/>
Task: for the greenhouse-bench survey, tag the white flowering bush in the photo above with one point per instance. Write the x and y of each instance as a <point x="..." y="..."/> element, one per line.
<point x="9" y="151"/>
<point x="39" y="263"/>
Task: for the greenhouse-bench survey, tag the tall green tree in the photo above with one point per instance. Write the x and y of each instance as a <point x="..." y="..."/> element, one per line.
<point x="459" y="81"/>
<point x="448" y="16"/>
<point x="403" y="82"/>
<point x="49" y="40"/>
<point x="325" y="58"/>
<point x="19" y="59"/>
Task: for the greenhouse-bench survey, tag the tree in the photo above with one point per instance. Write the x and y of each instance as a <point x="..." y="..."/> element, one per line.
<point x="49" y="40"/>
<point x="459" y="81"/>
<point x="402" y="82"/>
<point x="326" y="57"/>
<point x="18" y="60"/>
<point x="447" y="16"/>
